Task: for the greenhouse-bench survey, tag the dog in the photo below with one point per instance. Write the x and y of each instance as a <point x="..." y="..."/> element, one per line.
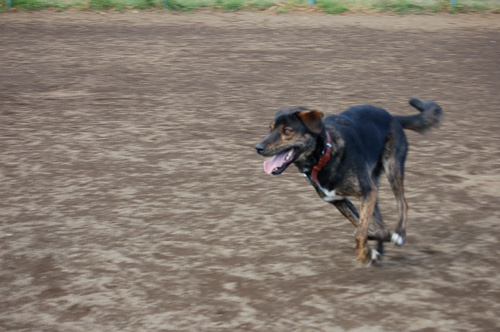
<point x="344" y="156"/>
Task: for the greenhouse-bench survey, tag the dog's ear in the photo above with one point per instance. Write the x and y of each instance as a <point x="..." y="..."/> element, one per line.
<point x="312" y="119"/>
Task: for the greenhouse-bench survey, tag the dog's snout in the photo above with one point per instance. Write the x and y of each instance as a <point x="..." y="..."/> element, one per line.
<point x="260" y="148"/>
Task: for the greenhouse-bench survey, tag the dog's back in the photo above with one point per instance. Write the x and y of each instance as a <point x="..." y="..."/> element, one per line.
<point x="364" y="128"/>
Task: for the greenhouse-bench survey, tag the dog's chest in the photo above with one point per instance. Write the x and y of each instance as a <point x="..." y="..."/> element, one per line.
<point x="331" y="195"/>
<point x="328" y="195"/>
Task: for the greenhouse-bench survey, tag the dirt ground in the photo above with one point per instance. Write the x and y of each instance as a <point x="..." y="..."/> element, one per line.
<point x="132" y="199"/>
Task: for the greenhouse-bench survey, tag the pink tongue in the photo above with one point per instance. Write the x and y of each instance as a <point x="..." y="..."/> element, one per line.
<point x="277" y="161"/>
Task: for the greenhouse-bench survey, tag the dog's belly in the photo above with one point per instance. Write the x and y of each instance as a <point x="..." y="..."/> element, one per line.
<point x="331" y="195"/>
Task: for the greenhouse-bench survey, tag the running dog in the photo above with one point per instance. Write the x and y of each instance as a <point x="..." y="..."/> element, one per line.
<point x="344" y="155"/>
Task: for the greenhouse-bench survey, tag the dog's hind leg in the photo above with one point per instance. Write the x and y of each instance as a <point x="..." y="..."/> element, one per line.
<point x="399" y="236"/>
<point x="394" y="159"/>
<point x="380" y="233"/>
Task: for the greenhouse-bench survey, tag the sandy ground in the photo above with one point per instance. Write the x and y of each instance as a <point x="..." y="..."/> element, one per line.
<point x="132" y="199"/>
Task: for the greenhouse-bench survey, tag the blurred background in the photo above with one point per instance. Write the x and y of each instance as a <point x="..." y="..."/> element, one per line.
<point x="132" y="198"/>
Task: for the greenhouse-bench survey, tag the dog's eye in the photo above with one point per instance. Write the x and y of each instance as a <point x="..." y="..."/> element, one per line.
<point x="287" y="131"/>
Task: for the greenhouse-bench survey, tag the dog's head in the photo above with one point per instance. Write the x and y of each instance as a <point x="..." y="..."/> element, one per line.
<point x="292" y="138"/>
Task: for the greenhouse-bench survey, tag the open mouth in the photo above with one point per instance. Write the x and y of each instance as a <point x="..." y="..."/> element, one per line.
<point x="277" y="164"/>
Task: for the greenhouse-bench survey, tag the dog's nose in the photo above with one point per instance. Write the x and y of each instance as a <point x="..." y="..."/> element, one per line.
<point x="260" y="148"/>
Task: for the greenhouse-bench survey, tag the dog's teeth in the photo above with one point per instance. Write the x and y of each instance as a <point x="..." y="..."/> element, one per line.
<point x="290" y="153"/>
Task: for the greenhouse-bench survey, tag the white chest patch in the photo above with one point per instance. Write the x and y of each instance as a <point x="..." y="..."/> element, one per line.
<point x="331" y="195"/>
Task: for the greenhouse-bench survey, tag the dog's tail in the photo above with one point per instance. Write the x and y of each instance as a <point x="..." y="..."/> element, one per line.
<point x="429" y="117"/>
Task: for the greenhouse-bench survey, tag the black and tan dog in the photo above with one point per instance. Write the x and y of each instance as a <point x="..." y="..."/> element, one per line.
<point x="344" y="155"/>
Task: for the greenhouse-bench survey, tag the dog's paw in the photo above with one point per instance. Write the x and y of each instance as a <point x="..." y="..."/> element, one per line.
<point x="375" y="255"/>
<point x="367" y="256"/>
<point x="397" y="239"/>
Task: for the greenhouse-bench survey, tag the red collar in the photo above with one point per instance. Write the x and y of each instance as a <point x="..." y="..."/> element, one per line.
<point x="324" y="159"/>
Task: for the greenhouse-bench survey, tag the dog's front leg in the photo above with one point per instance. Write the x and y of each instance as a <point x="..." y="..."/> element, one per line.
<point x="363" y="252"/>
<point x="380" y="235"/>
<point x="348" y="210"/>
